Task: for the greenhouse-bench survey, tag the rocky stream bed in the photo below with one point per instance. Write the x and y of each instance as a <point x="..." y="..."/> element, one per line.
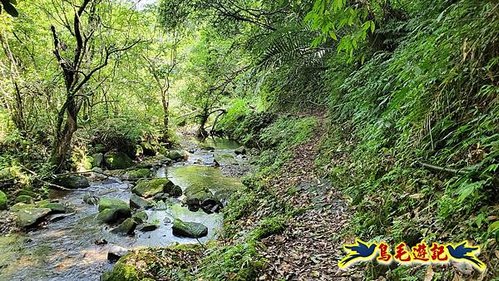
<point x="79" y="234"/>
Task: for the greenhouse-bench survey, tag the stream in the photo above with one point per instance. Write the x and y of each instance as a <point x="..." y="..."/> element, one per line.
<point x="66" y="248"/>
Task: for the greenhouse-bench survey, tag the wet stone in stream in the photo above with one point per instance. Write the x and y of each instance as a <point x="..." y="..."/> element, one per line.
<point x="66" y="248"/>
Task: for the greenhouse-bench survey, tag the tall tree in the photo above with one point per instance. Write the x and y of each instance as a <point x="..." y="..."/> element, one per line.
<point x="77" y="71"/>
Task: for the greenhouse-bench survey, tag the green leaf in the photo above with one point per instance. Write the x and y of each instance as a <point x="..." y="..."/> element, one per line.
<point x="494" y="226"/>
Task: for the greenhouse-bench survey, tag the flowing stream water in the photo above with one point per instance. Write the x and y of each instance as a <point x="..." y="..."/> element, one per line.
<point x="65" y="249"/>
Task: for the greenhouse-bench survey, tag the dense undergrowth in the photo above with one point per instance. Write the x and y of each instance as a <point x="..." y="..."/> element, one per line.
<point x="413" y="137"/>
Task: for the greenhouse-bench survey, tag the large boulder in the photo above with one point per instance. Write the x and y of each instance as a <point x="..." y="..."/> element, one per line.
<point x="21" y="206"/>
<point x="137" y="202"/>
<point x="117" y="160"/>
<point x="111" y="216"/>
<point x="211" y="206"/>
<point x="112" y="203"/>
<point x="112" y="210"/>
<point x="72" y="181"/>
<point x="127" y="227"/>
<point x="140" y="217"/>
<point x="3" y="201"/>
<point x="176" y="155"/>
<point x="150" y="188"/>
<point x="195" y="196"/>
<point x="147" y="227"/>
<point x="27" y="217"/>
<point x="189" y="229"/>
<point x="134" y="175"/>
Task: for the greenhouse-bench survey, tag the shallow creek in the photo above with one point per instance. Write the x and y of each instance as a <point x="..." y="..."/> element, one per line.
<point x="66" y="249"/>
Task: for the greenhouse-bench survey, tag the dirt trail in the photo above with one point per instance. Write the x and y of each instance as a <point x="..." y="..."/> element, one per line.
<point x="309" y="248"/>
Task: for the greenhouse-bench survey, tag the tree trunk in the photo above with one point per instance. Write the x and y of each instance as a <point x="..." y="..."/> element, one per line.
<point x="166" y="119"/>
<point x="202" y="133"/>
<point x="64" y="135"/>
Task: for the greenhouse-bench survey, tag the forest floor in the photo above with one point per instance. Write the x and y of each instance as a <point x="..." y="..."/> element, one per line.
<point x="310" y="246"/>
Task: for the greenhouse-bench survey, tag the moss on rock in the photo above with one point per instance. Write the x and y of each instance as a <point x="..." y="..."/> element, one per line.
<point x="122" y="272"/>
<point x="72" y="181"/>
<point x="24" y="199"/>
<point x="189" y="229"/>
<point x="138" y="174"/>
<point x="112" y="210"/>
<point x="117" y="160"/>
<point x="150" y="188"/>
<point x="31" y="216"/>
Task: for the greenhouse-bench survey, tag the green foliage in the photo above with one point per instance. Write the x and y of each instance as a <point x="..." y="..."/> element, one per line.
<point x="173" y="14"/>
<point x="432" y="100"/>
<point x="337" y="18"/>
<point x="236" y="262"/>
<point x="269" y="226"/>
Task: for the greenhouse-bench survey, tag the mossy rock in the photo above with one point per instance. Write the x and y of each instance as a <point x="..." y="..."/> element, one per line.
<point x="175" y="264"/>
<point x="112" y="203"/>
<point x="137" y="202"/>
<point x="57" y="208"/>
<point x="138" y="174"/>
<point x="112" y="210"/>
<point x="173" y="190"/>
<point x="24" y="199"/>
<point x="149" y="227"/>
<point x="127" y="227"/>
<point x="189" y="229"/>
<point x="140" y="217"/>
<point x="72" y="181"/>
<point x="111" y="216"/>
<point x="117" y="160"/>
<point x="122" y="272"/>
<point x="150" y="188"/>
<point x="28" y="192"/>
<point x="195" y="195"/>
<point x="21" y="206"/>
<point x="31" y="216"/>
<point x="176" y="155"/>
<point x="3" y="201"/>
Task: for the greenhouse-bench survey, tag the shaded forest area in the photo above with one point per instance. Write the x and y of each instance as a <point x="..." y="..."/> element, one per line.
<point x="376" y="119"/>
